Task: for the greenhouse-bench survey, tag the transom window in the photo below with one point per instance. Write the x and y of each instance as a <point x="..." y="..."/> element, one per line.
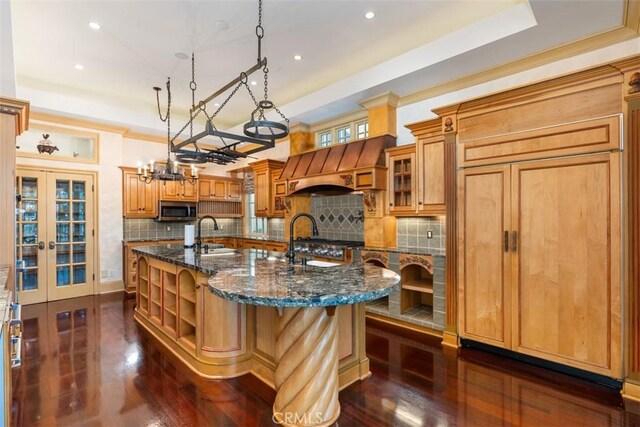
<point x="362" y="129"/>
<point x="343" y="133"/>
<point x="325" y="139"/>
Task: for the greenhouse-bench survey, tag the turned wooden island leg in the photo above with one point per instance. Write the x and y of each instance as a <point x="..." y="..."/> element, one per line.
<point x="306" y="377"/>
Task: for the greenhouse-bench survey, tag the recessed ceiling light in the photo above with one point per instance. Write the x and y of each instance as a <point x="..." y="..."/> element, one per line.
<point x="369" y="15"/>
<point x="297" y="57"/>
<point x="79" y="67"/>
<point x="253" y="82"/>
<point x="216" y="105"/>
<point x="181" y="55"/>
<point x="94" y="25"/>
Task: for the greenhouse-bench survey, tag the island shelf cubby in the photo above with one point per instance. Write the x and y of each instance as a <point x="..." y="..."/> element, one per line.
<point x="169" y="318"/>
<point x="187" y="309"/>
<point x="416" y="286"/>
<point x="143" y="281"/>
<point x="155" y="294"/>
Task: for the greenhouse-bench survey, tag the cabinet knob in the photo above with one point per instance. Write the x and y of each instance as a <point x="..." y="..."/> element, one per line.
<point x="197" y="286"/>
<point x="420" y="203"/>
<point x="390" y="204"/>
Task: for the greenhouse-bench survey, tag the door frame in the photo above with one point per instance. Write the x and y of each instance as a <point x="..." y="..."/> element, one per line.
<point x="96" y="211"/>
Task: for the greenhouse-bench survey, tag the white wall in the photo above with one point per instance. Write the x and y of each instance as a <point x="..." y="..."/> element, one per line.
<point x="7" y="64"/>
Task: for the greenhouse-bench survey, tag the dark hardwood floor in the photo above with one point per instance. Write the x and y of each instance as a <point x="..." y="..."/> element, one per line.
<point x="86" y="363"/>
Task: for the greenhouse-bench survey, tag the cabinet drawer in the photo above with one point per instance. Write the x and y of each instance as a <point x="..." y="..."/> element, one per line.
<point x="275" y="247"/>
<point x="589" y="136"/>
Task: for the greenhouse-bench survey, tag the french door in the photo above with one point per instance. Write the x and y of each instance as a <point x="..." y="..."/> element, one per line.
<point x="55" y="235"/>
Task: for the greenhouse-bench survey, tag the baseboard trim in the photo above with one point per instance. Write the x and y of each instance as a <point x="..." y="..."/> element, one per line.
<point x="450" y="340"/>
<point x="406" y="325"/>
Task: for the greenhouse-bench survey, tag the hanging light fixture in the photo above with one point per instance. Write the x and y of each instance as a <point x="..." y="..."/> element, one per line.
<point x="46" y="146"/>
<point x="258" y="130"/>
<point x="171" y="171"/>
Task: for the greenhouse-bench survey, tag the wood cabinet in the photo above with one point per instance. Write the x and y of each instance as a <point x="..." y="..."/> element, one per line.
<point x="430" y="166"/>
<point x="178" y="191"/>
<point x="213" y="188"/>
<point x="416" y="173"/>
<point x="540" y="259"/>
<point x="279" y="193"/>
<point x="226" y="315"/>
<point x="401" y="162"/>
<point x="139" y="199"/>
<point x="265" y="172"/>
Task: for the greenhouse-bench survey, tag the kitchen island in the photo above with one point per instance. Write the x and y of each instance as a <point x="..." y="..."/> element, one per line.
<point x="216" y="313"/>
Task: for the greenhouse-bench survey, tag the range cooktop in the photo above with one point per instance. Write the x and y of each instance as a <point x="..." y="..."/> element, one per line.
<point x="314" y="240"/>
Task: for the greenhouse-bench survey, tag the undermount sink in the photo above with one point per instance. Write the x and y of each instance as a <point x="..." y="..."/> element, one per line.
<point x="315" y="263"/>
<point x="219" y="252"/>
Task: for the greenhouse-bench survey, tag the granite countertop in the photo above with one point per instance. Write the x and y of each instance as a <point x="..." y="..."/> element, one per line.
<point x="204" y="237"/>
<point x="266" y="278"/>
<point x="178" y="255"/>
<point x="411" y="251"/>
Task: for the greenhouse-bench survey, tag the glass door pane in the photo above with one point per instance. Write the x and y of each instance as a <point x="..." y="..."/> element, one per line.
<point x="30" y="232"/>
<point x="71" y="260"/>
<point x="70" y="227"/>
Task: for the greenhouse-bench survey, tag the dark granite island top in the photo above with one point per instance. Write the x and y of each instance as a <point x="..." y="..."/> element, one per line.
<point x="266" y="278"/>
<point x="300" y="339"/>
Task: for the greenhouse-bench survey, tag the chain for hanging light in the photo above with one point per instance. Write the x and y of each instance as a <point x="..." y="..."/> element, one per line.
<point x="258" y="130"/>
<point x="171" y="171"/>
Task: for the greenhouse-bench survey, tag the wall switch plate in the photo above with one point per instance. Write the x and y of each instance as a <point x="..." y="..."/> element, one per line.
<point x="429" y="234"/>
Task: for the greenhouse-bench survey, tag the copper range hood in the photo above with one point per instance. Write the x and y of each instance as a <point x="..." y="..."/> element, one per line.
<point x="341" y="168"/>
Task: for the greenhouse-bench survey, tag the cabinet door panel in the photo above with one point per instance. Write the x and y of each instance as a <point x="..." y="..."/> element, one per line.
<point x="189" y="192"/>
<point x="484" y="216"/>
<point x="262" y="192"/>
<point x="204" y="189"/>
<point x="169" y="190"/>
<point x="219" y="189"/>
<point x="228" y="337"/>
<point x="431" y="179"/>
<point x="402" y="183"/>
<point x="235" y="191"/>
<point x="566" y="286"/>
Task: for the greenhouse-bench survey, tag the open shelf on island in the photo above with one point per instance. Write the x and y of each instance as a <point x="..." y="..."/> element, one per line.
<point x="187" y="307"/>
<point x="419" y="286"/>
<point x="416" y="284"/>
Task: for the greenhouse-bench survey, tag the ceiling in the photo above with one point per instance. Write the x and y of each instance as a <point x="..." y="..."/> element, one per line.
<point x="409" y="46"/>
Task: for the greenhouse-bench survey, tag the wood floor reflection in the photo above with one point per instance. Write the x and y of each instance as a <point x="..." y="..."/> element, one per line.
<point x="86" y="363"/>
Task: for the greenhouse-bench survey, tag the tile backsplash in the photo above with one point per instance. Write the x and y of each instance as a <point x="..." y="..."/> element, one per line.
<point x="412" y="232"/>
<point x="337" y="216"/>
<point x="276" y="229"/>
<point x="148" y="229"/>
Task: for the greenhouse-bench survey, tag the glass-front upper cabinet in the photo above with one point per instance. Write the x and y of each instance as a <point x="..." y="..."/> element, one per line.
<point x="49" y="142"/>
<point x="401" y="162"/>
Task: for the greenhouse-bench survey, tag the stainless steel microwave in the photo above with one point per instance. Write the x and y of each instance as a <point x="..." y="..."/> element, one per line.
<point x="177" y="211"/>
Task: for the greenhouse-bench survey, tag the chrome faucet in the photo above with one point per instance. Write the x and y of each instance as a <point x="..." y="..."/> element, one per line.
<point x="314" y="231"/>
<point x="199" y="238"/>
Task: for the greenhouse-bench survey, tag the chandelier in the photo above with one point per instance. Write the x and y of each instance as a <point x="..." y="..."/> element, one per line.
<point x="259" y="131"/>
<point x="171" y="171"/>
